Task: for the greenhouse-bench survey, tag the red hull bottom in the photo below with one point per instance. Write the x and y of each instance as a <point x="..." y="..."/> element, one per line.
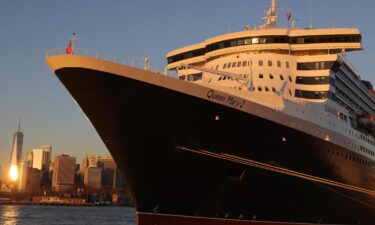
<point x="159" y="219"/>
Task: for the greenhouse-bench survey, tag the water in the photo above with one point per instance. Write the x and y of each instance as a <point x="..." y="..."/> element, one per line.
<point x="65" y="215"/>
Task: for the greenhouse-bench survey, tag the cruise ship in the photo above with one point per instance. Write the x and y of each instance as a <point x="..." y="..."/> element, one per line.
<point x="269" y="125"/>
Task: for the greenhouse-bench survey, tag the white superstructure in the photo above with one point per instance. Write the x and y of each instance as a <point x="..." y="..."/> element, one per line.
<point x="302" y="73"/>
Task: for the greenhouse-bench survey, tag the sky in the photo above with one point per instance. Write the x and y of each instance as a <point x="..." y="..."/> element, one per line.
<point x="131" y="29"/>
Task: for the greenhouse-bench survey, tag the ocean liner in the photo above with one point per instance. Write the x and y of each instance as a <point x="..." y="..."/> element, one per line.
<point x="269" y="125"/>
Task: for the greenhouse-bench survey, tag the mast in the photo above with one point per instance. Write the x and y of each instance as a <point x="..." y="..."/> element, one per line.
<point x="270" y="20"/>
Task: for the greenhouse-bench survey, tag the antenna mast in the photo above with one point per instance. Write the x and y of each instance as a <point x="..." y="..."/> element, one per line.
<point x="270" y="20"/>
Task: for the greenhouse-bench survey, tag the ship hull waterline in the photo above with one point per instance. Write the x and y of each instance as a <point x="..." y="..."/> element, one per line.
<point x="145" y="126"/>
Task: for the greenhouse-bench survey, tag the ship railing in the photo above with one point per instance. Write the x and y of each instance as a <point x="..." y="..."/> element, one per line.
<point x="133" y="62"/>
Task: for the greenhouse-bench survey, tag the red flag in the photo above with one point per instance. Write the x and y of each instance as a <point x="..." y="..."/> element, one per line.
<point x="288" y="16"/>
<point x="69" y="49"/>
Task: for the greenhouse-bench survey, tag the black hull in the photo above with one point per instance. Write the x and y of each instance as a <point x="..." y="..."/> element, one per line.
<point x="144" y="125"/>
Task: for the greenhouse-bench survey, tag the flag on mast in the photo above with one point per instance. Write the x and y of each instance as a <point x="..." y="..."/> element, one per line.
<point x="288" y="15"/>
<point x="69" y="49"/>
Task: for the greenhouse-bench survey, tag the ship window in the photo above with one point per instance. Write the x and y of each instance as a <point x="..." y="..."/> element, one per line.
<point x="195" y="77"/>
<point x="233" y="64"/>
<point x="241" y="42"/>
<point x="220" y="78"/>
<point x="269" y="63"/>
<point x="312" y="80"/>
<point x="278" y="64"/>
<point x="259" y="88"/>
<point x="255" y="40"/>
<point x="281" y="77"/>
<point x="261" y="76"/>
<point x="229" y="65"/>
<point x="267" y="89"/>
<point x="182" y="77"/>
<point x="273" y="89"/>
<point x="238" y="64"/>
<point x="244" y="63"/>
<point x="290" y="92"/>
<point x="315" y="65"/>
<point x="260" y="62"/>
<point x="290" y="79"/>
<point x="248" y="41"/>
<point x="311" y="94"/>
<point x="225" y="66"/>
<point x="217" y="67"/>
<point x="287" y="64"/>
<point x="271" y="76"/>
<point x="233" y="43"/>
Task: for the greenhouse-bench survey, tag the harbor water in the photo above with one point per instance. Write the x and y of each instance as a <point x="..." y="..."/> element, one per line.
<point x="65" y="215"/>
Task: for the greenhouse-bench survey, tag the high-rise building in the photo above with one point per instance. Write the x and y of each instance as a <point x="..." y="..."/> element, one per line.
<point x="37" y="158"/>
<point x="92" y="160"/>
<point x="46" y="159"/>
<point x="42" y="157"/>
<point x="108" y="166"/>
<point x="111" y="175"/>
<point x="63" y="173"/>
<point x="22" y="177"/>
<point x="29" y="158"/>
<point x="92" y="178"/>
<point x="84" y="165"/>
<point x="16" y="153"/>
<point x="33" y="178"/>
<point x="119" y="183"/>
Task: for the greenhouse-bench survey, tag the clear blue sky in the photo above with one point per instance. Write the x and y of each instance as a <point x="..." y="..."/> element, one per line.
<point x="129" y="28"/>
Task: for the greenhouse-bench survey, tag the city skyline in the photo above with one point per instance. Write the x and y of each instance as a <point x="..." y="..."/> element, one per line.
<point x="127" y="29"/>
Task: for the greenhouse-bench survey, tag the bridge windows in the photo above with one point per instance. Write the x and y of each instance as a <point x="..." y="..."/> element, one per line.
<point x="312" y="80"/>
<point x="324" y="65"/>
<point x="265" y="40"/>
<point x="326" y="39"/>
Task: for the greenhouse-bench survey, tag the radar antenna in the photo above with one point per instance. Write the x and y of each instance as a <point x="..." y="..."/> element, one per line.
<point x="146" y="63"/>
<point x="270" y="20"/>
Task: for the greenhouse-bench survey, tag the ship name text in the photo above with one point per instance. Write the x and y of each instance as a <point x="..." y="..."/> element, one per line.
<point x="229" y="100"/>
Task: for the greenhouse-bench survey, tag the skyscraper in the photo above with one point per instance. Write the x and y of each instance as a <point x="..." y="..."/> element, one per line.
<point x="92" y="160"/>
<point x="29" y="158"/>
<point x="63" y="173"/>
<point x="42" y="157"/>
<point x="46" y="160"/>
<point x="108" y="166"/>
<point x="22" y="177"/>
<point x="16" y="153"/>
<point x="93" y="177"/>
